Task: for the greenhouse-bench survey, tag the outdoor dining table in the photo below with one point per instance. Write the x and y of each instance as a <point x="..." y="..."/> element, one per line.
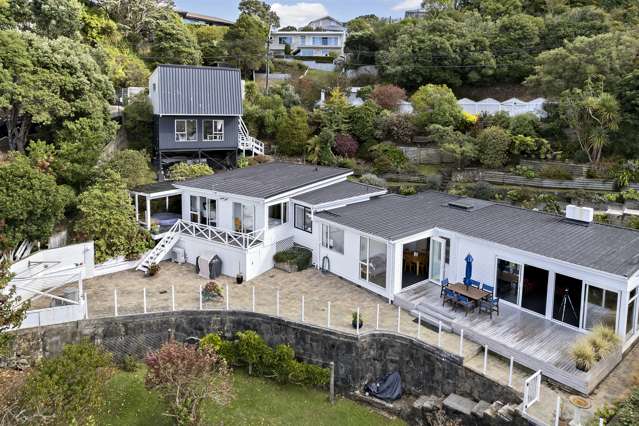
<point x="473" y="293"/>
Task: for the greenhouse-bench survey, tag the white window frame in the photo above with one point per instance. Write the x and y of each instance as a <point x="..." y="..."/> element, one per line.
<point x="327" y="240"/>
<point x="186" y="131"/>
<point x="283" y="214"/>
<point x="215" y="136"/>
<point x="302" y="227"/>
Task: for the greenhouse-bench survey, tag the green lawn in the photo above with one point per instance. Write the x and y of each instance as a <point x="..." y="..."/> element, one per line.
<point x="258" y="402"/>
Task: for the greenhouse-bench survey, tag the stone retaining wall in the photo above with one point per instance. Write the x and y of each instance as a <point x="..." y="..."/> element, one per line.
<point x="425" y="369"/>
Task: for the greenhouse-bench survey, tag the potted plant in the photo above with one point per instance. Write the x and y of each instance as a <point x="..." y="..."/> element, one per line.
<point x="154" y="268"/>
<point x="155" y="228"/>
<point x="211" y="291"/>
<point x="583" y="354"/>
<point x="361" y="321"/>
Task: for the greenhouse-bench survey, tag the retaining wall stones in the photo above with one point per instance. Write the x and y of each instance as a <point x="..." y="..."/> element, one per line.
<point x="425" y="369"/>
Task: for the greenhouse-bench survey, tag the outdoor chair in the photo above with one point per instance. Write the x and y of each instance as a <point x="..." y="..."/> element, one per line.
<point x="466" y="303"/>
<point x="444" y="287"/>
<point x="490" y="305"/>
<point x="449" y="296"/>
<point x="489" y="288"/>
<point x="474" y="283"/>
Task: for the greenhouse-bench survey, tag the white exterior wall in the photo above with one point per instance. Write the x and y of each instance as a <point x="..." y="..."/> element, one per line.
<point x="233" y="259"/>
<point x="154" y="93"/>
<point x="304" y="40"/>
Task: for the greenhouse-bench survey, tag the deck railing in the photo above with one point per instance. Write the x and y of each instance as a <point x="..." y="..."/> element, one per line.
<point x="244" y="240"/>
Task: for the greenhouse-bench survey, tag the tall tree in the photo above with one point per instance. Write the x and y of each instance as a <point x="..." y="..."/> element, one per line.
<point x="245" y="43"/>
<point x="108" y="218"/>
<point x="173" y="43"/>
<point x="261" y="10"/>
<point x="515" y="43"/>
<point x="137" y="19"/>
<point x="31" y="203"/>
<point x="210" y="39"/>
<point x="591" y="114"/>
<point x="436" y="104"/>
<point x="44" y="81"/>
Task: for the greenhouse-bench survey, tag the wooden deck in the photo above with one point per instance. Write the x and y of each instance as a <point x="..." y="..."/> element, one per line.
<point x="534" y="342"/>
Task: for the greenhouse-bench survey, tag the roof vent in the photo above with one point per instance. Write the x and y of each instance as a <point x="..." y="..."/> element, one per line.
<point x="460" y="205"/>
<point x="580" y="214"/>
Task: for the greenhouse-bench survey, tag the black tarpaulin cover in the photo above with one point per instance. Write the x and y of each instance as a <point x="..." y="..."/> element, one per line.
<point x="388" y="388"/>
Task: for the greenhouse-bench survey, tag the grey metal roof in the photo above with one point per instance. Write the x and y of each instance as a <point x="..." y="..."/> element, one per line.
<point x="154" y="188"/>
<point x="265" y="180"/>
<point x="602" y="247"/>
<point x="337" y="192"/>
<point x="191" y="90"/>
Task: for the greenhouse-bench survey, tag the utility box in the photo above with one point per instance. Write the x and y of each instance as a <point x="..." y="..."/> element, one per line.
<point x="209" y="266"/>
<point x="178" y="255"/>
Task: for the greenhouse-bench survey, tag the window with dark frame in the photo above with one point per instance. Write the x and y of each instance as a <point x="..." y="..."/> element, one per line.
<point x="213" y="130"/>
<point x="302" y="220"/>
<point x="186" y="130"/>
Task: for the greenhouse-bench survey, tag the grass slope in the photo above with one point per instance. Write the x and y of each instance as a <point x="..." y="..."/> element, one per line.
<point x="258" y="402"/>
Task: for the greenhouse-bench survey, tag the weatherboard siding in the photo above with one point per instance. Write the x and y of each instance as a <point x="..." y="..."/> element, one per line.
<point x="166" y="134"/>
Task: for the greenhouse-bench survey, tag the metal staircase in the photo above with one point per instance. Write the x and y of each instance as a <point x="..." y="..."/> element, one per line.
<point x="161" y="249"/>
<point x="249" y="143"/>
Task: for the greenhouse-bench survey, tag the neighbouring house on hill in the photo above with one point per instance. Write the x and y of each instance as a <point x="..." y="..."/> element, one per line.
<point x="327" y="39"/>
<point x="198" y="115"/>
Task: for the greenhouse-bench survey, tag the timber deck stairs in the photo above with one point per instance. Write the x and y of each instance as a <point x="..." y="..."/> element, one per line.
<point x="248" y="142"/>
<point x="161" y="249"/>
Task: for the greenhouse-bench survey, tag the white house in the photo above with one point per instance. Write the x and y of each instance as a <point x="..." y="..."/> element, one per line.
<point x="328" y="37"/>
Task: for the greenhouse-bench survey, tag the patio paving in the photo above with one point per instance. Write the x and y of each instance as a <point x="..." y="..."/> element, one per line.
<point x="318" y="289"/>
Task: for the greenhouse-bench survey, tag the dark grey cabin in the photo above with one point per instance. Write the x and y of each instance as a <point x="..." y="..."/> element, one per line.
<point x="197" y="113"/>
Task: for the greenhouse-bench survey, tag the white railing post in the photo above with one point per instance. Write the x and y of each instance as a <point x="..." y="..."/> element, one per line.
<point x="419" y="325"/>
<point x="399" y="313"/>
<point x="461" y="343"/>
<point x="601" y="421"/>
<point x="115" y="301"/>
<point x="277" y="302"/>
<point x="357" y="319"/>
<point x="86" y="305"/>
<point x="173" y="298"/>
<point x="253" y="298"/>
<point x="144" y="296"/>
<point x="485" y="359"/>
<point x="200" y="293"/>
<point x="227" y="297"/>
<point x="328" y="315"/>
<point x="510" y="371"/>
<point x="557" y="410"/>
<point x="302" y="308"/>
<point x="377" y="318"/>
<point x="439" y="335"/>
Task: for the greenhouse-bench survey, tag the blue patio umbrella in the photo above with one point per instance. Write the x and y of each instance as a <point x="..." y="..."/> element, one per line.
<point x="469" y="269"/>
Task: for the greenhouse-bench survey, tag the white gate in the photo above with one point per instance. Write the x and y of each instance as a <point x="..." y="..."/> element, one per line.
<point x="532" y="390"/>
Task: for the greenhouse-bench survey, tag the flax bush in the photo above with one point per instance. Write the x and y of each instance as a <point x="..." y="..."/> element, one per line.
<point x="583" y="354"/>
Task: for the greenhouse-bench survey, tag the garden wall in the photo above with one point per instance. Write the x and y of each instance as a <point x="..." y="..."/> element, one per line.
<point x="426" y="155"/>
<point x="425" y="369"/>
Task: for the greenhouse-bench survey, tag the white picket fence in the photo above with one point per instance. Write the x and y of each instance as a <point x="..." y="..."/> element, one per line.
<point x="56" y="315"/>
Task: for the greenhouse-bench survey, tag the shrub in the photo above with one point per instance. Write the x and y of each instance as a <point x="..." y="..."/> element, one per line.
<point x="185" y="377"/>
<point x="583" y="354"/>
<point x="293" y="132"/>
<point x="407" y="190"/>
<point x="128" y="364"/>
<point x="524" y="124"/>
<point x="388" y="96"/>
<point x="184" y="171"/>
<point x="388" y="158"/>
<point x="242" y="162"/>
<point x="604" y="340"/>
<point x="433" y="182"/>
<point x="531" y="147"/>
<point x="363" y="122"/>
<point x="524" y="171"/>
<point x="299" y="256"/>
<point x="211" y="341"/>
<point x="137" y="121"/>
<point x="211" y="290"/>
<point x="499" y="119"/>
<point x="398" y="128"/>
<point x="482" y="190"/>
<point x="371" y="179"/>
<point x="555" y="172"/>
<point x="436" y="104"/>
<point x="345" y="145"/>
<point x="132" y="166"/>
<point x="153" y="270"/>
<point x="68" y="388"/>
<point x="493" y="144"/>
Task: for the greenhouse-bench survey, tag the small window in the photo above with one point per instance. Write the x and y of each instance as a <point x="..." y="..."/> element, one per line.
<point x="303" y="219"/>
<point x="185" y="130"/>
<point x="213" y="130"/>
<point x="333" y="238"/>
<point x="447" y="256"/>
<point x="277" y="214"/>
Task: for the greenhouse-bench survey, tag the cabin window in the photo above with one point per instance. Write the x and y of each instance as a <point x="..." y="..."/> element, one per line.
<point x="286" y="40"/>
<point x="601" y="307"/>
<point x="303" y="219"/>
<point x="213" y="130"/>
<point x="333" y="238"/>
<point x="277" y="214"/>
<point x="243" y="218"/>
<point x="631" y="314"/>
<point x="185" y="130"/>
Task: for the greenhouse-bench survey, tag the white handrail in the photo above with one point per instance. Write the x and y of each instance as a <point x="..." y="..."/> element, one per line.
<point x="243" y="240"/>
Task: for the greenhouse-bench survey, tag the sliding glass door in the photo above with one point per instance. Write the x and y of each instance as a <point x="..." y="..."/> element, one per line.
<point x="436" y="264"/>
<point x="243" y="217"/>
<point x="567" y="300"/>
<point x="508" y="274"/>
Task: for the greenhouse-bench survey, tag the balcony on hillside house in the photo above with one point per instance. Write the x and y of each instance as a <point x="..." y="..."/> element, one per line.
<point x="158" y="206"/>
